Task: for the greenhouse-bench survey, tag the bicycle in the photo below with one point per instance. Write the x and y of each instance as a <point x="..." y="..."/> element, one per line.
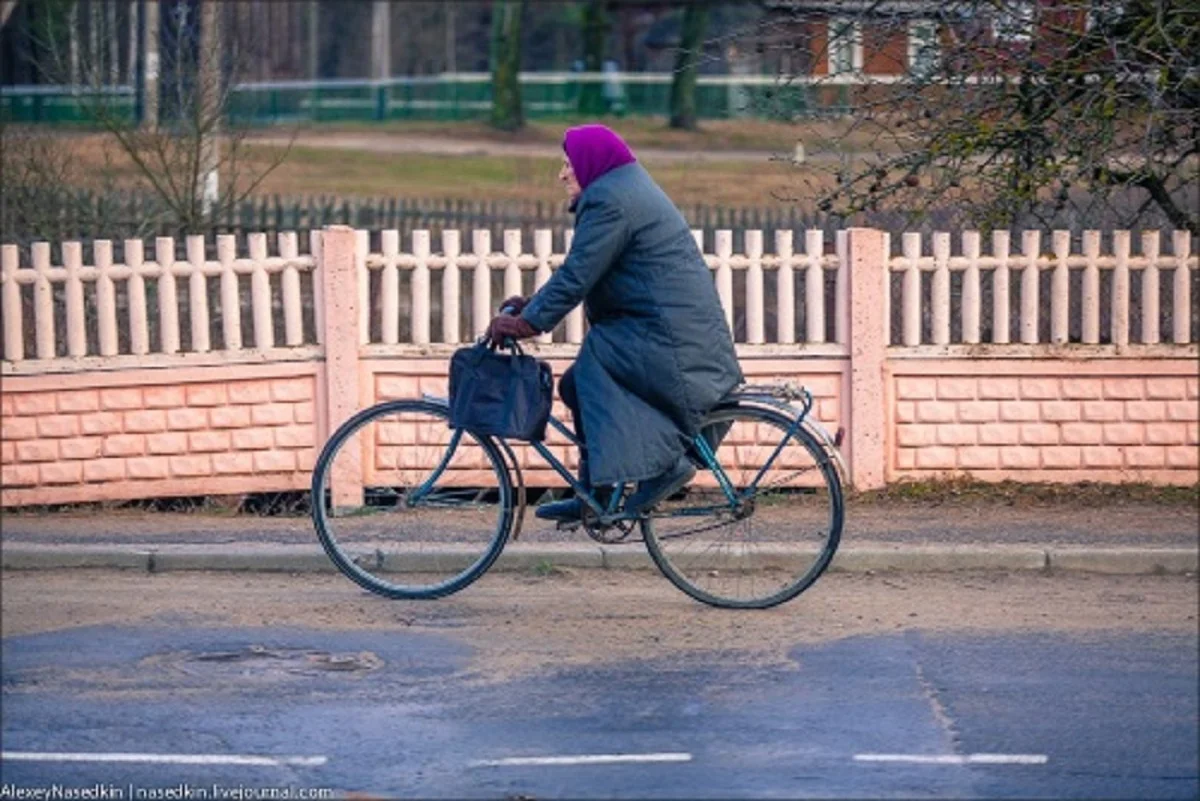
<point x="760" y="460"/>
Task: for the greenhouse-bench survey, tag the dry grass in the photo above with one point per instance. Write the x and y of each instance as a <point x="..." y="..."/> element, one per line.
<point x="1087" y="494"/>
<point x="363" y="174"/>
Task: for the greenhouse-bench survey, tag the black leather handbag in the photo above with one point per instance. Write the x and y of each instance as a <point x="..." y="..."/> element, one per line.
<point x="504" y="394"/>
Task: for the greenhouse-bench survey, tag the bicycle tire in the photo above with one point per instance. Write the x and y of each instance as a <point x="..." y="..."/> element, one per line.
<point x="822" y="489"/>
<point x="372" y="573"/>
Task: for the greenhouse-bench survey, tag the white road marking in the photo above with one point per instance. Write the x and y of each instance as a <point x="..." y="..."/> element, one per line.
<point x="164" y="759"/>
<point x="956" y="759"/>
<point x="582" y="759"/>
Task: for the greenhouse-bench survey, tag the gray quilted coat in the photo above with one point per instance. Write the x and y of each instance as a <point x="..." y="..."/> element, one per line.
<point x="658" y="354"/>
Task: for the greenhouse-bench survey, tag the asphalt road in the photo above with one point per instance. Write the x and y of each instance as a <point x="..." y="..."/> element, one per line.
<point x="413" y="701"/>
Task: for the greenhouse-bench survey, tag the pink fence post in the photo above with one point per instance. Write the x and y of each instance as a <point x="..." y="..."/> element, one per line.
<point x="337" y="270"/>
<point x="868" y="352"/>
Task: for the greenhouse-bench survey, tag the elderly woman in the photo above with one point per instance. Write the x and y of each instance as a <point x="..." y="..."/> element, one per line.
<point x="658" y="354"/>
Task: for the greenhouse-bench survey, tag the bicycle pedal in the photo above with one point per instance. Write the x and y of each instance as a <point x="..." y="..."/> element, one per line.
<point x="568" y="525"/>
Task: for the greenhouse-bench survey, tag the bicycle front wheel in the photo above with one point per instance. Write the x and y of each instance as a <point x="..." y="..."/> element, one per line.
<point x="781" y="535"/>
<point x="408" y="507"/>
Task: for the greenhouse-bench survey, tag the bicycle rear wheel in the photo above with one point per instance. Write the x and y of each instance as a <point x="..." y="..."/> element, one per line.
<point x="434" y="510"/>
<point x="783" y="536"/>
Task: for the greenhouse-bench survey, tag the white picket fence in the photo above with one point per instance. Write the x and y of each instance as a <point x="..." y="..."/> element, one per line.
<point x="1031" y="262"/>
<point x="85" y="297"/>
<point x="167" y="273"/>
<point x="512" y="261"/>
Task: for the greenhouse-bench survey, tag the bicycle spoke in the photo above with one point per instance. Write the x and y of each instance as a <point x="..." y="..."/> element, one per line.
<point x="779" y="536"/>
<point x="436" y="509"/>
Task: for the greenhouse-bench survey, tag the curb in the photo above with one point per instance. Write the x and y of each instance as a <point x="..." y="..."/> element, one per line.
<point x="522" y="558"/>
<point x="1125" y="560"/>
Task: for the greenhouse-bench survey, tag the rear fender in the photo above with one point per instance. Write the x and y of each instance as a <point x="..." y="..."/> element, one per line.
<point x="829" y="442"/>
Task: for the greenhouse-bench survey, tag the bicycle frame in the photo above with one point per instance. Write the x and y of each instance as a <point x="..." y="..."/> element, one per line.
<point x="608" y="514"/>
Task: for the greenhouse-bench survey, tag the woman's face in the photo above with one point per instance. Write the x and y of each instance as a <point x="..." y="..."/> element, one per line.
<point x="570" y="183"/>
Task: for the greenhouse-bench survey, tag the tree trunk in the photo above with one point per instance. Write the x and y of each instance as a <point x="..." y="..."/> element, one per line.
<point x="6" y="10"/>
<point x="112" y="40"/>
<point x="451" y="64"/>
<point x="208" y="108"/>
<point x="149" y="66"/>
<point x="507" y="114"/>
<point x="314" y="19"/>
<point x="73" y="43"/>
<point x="691" y="48"/>
<point x="596" y="25"/>
<point x="132" y="49"/>
<point x="381" y="40"/>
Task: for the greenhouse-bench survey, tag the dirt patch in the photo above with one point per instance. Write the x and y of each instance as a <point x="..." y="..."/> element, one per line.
<point x="528" y="623"/>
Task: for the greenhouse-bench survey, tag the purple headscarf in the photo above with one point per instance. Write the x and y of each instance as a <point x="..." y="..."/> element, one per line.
<point x="594" y="150"/>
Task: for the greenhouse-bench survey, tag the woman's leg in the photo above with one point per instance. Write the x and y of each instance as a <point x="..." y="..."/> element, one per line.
<point x="572" y="508"/>
<point x="570" y="396"/>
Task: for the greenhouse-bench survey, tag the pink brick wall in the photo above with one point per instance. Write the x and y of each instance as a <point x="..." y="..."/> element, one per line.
<point x="192" y="431"/>
<point x="245" y="428"/>
<point x="1038" y="420"/>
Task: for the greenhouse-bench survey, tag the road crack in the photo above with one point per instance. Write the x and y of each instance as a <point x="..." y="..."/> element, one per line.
<point x="940" y="713"/>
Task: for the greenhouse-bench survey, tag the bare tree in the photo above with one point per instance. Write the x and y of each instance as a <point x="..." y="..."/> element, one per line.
<point x="1006" y="111"/>
<point x="49" y="194"/>
<point x="683" y="84"/>
<point x="192" y="163"/>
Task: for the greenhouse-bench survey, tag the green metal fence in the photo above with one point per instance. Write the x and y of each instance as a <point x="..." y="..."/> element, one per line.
<point x="458" y="96"/>
<point x="65" y="104"/>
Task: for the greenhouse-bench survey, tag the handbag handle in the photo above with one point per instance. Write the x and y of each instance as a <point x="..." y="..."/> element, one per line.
<point x="509" y="344"/>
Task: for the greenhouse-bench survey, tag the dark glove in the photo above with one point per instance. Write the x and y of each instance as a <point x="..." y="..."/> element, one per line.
<point x="505" y="326"/>
<point x="516" y="303"/>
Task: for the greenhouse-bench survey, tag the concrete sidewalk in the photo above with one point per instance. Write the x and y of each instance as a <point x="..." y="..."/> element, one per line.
<point x="1124" y="539"/>
<point x="852" y="557"/>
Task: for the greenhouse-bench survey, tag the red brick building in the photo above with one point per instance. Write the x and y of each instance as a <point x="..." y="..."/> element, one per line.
<point x="908" y="37"/>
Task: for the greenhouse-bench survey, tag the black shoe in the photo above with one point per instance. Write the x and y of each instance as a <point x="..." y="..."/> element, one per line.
<point x="652" y="492"/>
<point x="567" y="511"/>
<point x="571" y="510"/>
